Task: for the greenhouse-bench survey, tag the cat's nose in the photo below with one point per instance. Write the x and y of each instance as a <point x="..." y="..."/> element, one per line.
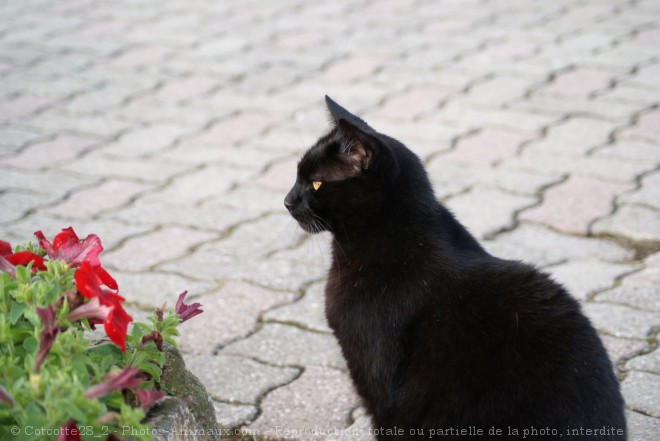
<point x="290" y="201"/>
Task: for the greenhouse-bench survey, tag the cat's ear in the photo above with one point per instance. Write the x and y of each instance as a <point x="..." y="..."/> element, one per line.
<point x="338" y="113"/>
<point x="358" y="148"/>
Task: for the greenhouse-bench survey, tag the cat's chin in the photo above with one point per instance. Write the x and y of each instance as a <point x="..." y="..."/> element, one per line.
<point x="312" y="227"/>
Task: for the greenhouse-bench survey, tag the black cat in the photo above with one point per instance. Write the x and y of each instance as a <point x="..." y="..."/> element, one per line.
<point x="442" y="339"/>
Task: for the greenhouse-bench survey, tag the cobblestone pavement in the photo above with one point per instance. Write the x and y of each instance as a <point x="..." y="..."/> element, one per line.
<point x="171" y="129"/>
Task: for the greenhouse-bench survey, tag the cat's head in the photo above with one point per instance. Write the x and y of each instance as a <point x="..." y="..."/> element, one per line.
<point x="346" y="181"/>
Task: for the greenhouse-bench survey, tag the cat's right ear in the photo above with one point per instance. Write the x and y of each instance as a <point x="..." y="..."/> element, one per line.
<point x="358" y="148"/>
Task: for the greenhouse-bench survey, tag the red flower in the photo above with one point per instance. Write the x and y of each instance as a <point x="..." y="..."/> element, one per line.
<point x="126" y="378"/>
<point x="106" y="310"/>
<point x="6" y="396"/>
<point x="186" y="312"/>
<point x="68" y="247"/>
<point x="69" y="432"/>
<point x="9" y="260"/>
<point x="90" y="281"/>
<point x="148" y="397"/>
<point x="5" y="248"/>
<point x="47" y="336"/>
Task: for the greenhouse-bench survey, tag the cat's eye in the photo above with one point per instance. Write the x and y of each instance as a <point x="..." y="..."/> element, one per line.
<point x="316" y="185"/>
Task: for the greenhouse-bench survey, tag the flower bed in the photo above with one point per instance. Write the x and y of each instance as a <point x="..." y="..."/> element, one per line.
<point x="57" y="383"/>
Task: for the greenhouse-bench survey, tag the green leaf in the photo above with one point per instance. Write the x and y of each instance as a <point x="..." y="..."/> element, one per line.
<point x="31" y="345"/>
<point x="16" y="312"/>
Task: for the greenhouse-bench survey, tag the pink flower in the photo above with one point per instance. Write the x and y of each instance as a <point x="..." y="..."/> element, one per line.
<point x="109" y="312"/>
<point x="68" y="247"/>
<point x="69" y="432"/>
<point x="47" y="336"/>
<point x="5" y="248"/>
<point x="148" y="397"/>
<point x="186" y="312"/>
<point x="6" y="396"/>
<point x="126" y="378"/>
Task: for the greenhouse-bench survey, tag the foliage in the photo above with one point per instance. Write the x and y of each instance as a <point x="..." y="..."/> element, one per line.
<point x="56" y="380"/>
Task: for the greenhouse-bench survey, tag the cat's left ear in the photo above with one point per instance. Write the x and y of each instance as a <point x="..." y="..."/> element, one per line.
<point x="358" y="147"/>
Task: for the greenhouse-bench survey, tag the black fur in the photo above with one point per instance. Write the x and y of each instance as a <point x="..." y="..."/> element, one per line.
<point x="437" y="333"/>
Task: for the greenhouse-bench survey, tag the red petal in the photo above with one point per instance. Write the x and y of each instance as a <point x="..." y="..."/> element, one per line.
<point x="44" y="243"/>
<point x="25" y="257"/>
<point x="69" y="432"/>
<point x="106" y="278"/>
<point x="87" y="281"/>
<point x="66" y="237"/>
<point x="116" y="326"/>
<point x="5" y="248"/>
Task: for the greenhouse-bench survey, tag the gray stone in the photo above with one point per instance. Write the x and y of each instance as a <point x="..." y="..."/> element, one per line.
<point x="621" y="349"/>
<point x="308" y="312"/>
<point x="487" y="211"/>
<point x="283" y="345"/>
<point x="583" y="277"/>
<point x="621" y="321"/>
<point x="639" y="294"/>
<point x="361" y="428"/>
<point x="542" y="246"/>
<point x="639" y="390"/>
<point x="232" y="416"/>
<point x="647" y="363"/>
<point x="294" y="412"/>
<point x="632" y="221"/>
<point x="642" y="427"/>
<point x="647" y="194"/>
<point x="179" y="382"/>
<point x="238" y="380"/>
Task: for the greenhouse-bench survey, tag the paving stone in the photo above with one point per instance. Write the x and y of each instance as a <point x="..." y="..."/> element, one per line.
<point x="642" y="427"/>
<point x="632" y="221"/>
<point x="351" y="68"/>
<point x="603" y="106"/>
<point x="621" y="349"/>
<point x="44" y="154"/>
<point x="646" y="128"/>
<point x="621" y="321"/>
<point x="636" y="293"/>
<point x="145" y="141"/>
<point x="647" y="363"/>
<point x="647" y="195"/>
<point x="233" y="312"/>
<point x="284" y="345"/>
<point x="236" y="129"/>
<point x="646" y="76"/>
<point x="583" y="277"/>
<point x="61" y="120"/>
<point x="598" y="167"/>
<point x="630" y="150"/>
<point x="151" y="290"/>
<point x="471" y="118"/>
<point x="487" y="211"/>
<point x="630" y="94"/>
<point x="579" y="82"/>
<point x="139" y="56"/>
<point x="12" y="139"/>
<point x="412" y="103"/>
<point x="154" y="170"/>
<point x="486" y="147"/>
<point x="145" y="251"/>
<point x="651" y="272"/>
<point x="239" y="380"/>
<point x="639" y="392"/>
<point x="574" y="136"/>
<point x="574" y="204"/>
<point x="206" y="182"/>
<point x="16" y="204"/>
<point x="541" y="246"/>
<point x="292" y="412"/>
<point x="361" y="428"/>
<point x="21" y="106"/>
<point x="186" y="88"/>
<point x="233" y="416"/>
<point x="307" y="313"/>
<point x="95" y="200"/>
<point x="497" y="91"/>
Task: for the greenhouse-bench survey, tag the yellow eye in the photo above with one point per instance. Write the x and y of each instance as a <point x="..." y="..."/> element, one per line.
<point x="316" y="185"/>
